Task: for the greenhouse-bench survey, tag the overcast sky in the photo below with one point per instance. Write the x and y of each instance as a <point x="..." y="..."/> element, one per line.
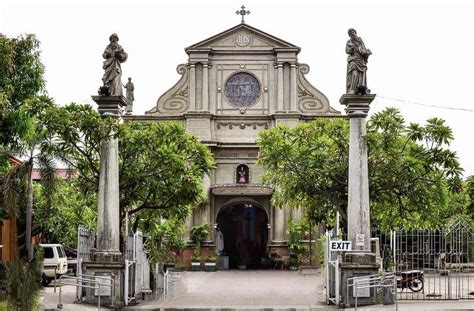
<point x="422" y="50"/>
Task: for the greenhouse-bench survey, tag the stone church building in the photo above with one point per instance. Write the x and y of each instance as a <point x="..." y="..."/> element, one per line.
<point x="234" y="85"/>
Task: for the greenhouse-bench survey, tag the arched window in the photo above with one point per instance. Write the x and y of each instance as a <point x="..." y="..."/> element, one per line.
<point x="242" y="174"/>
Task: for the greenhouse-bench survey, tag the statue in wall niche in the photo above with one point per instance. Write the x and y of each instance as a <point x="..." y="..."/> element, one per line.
<point x="356" y="82"/>
<point x="129" y="88"/>
<point x="114" y="55"/>
<point x="242" y="176"/>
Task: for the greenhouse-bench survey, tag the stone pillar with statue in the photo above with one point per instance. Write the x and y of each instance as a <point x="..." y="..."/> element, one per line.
<point x="107" y="263"/>
<point x="360" y="261"/>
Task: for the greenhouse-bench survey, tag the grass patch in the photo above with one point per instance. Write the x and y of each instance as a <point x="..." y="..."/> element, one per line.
<point x="3" y="306"/>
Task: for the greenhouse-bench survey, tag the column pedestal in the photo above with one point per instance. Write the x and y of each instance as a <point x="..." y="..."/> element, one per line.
<point x="107" y="262"/>
<point x="355" y="264"/>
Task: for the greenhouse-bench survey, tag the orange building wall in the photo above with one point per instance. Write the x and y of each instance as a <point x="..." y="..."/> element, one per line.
<point x="9" y="240"/>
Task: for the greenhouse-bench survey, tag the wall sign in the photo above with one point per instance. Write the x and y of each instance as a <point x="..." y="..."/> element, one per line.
<point x="340" y="246"/>
<point x="360" y="239"/>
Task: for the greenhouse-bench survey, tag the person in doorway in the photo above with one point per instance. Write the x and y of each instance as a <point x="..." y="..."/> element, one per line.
<point x="219" y="242"/>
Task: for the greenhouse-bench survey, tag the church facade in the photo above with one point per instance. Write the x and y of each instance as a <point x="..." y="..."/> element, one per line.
<point x="234" y="85"/>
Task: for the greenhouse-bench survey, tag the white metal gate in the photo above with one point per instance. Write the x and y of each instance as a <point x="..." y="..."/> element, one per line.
<point x="85" y="244"/>
<point x="142" y="271"/>
<point x="331" y="263"/>
<point x="137" y="268"/>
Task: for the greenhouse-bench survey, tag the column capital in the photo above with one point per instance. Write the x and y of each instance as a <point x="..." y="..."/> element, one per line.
<point x="278" y="64"/>
<point x="191" y="65"/>
<point x="110" y="106"/>
<point x="357" y="105"/>
<point x="207" y="65"/>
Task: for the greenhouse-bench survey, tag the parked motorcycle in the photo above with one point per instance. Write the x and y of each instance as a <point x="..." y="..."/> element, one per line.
<point x="410" y="279"/>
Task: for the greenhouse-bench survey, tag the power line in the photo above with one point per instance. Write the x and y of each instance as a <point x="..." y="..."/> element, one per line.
<point x="426" y="105"/>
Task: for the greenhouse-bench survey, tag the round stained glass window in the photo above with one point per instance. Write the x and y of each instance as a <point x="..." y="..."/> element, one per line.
<point x="242" y="90"/>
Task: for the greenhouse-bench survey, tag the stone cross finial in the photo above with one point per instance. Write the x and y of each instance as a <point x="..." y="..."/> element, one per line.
<point x="242" y="12"/>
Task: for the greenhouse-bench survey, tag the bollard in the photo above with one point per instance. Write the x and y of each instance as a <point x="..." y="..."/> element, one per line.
<point x="55" y="280"/>
<point x="98" y="307"/>
<point x="356" y="293"/>
<point x="60" y="305"/>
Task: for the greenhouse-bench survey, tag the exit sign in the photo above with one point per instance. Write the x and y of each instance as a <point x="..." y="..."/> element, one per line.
<point x="340" y="246"/>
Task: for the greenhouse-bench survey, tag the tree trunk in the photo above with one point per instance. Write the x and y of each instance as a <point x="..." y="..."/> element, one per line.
<point x="29" y="210"/>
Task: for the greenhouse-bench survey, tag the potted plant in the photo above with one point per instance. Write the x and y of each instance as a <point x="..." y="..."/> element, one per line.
<point x="293" y="262"/>
<point x="210" y="263"/>
<point x="196" y="263"/>
<point x="198" y="234"/>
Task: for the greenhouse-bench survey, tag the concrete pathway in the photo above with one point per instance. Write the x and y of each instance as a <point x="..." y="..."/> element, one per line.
<point x="247" y="290"/>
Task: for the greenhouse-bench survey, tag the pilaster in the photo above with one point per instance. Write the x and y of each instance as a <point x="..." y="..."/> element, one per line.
<point x="280" y="94"/>
<point x="279" y="225"/>
<point x="192" y="87"/>
<point x="205" y="87"/>
<point x="293" y="88"/>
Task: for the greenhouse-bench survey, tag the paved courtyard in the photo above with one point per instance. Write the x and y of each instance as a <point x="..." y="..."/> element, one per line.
<point x="248" y="290"/>
<point x="238" y="289"/>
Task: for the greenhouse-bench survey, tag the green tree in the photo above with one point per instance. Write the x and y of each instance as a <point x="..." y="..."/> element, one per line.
<point x="469" y="189"/>
<point x="411" y="170"/>
<point x="21" y="79"/>
<point x="163" y="236"/>
<point x="21" y="99"/>
<point x="59" y="220"/>
<point x="308" y="166"/>
<point x="161" y="166"/>
<point x="34" y="149"/>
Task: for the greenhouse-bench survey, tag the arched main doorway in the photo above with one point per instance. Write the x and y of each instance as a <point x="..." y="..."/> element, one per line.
<point x="245" y="230"/>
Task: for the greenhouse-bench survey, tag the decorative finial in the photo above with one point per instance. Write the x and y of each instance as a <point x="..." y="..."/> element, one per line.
<point x="242" y="12"/>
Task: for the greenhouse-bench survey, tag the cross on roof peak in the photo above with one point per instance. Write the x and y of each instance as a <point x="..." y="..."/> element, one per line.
<point x="242" y="12"/>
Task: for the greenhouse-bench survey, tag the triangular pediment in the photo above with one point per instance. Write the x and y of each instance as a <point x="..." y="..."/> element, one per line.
<point x="242" y="36"/>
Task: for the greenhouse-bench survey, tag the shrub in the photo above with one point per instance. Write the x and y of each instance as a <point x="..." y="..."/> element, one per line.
<point x="210" y="259"/>
<point x="293" y="262"/>
<point x="22" y="285"/>
<point x="195" y="258"/>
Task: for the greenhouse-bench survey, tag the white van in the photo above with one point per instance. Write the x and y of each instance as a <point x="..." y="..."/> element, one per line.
<point x="55" y="261"/>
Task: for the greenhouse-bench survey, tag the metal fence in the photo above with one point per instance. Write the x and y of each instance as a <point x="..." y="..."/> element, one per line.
<point x="438" y="264"/>
<point x="444" y="257"/>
